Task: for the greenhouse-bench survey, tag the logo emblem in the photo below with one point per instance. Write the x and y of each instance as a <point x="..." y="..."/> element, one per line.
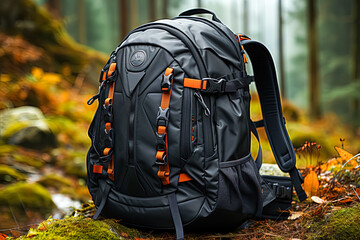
<point x="138" y="58"/>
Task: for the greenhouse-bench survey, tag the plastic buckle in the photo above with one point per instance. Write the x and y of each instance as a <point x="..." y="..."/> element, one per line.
<point x="166" y="82"/>
<point x="161" y="142"/>
<point x="282" y="191"/>
<point x="214" y="85"/>
<point x="108" y="142"/>
<point x="162" y="117"/>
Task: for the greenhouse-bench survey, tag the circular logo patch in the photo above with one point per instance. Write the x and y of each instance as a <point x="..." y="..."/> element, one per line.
<point x="138" y="58"/>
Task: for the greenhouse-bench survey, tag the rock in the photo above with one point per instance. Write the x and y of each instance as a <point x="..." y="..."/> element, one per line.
<point x="272" y="170"/>
<point x="26" y="126"/>
<point x="33" y="197"/>
<point x="8" y="174"/>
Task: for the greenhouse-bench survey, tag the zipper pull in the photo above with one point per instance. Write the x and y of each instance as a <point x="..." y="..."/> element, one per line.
<point x="199" y="97"/>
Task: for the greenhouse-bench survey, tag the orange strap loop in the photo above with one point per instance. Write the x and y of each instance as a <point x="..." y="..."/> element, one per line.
<point x="195" y="83"/>
<point x="162" y="156"/>
<point x="97" y="169"/>
<point x="244" y="55"/>
<point x="184" y="177"/>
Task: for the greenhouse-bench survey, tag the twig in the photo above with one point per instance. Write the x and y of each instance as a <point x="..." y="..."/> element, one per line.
<point x="356" y="193"/>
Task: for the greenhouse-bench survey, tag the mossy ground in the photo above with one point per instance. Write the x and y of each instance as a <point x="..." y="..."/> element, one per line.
<point x="81" y="228"/>
<point x="343" y="224"/>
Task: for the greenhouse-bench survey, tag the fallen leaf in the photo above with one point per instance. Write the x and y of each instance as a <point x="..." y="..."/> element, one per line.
<point x="311" y="184"/>
<point x="317" y="200"/>
<point x="343" y="154"/>
<point x="124" y="234"/>
<point x="346" y="200"/>
<point x="295" y="215"/>
<point x="3" y="236"/>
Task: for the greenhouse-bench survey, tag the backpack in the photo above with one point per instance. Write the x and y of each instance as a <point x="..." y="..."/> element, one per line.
<point x="171" y="135"/>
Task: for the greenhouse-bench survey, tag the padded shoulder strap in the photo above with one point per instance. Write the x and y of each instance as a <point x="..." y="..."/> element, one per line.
<point x="267" y="87"/>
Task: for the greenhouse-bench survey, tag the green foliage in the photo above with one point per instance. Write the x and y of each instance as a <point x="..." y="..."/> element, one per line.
<point x="29" y="196"/>
<point x="343" y="224"/>
<point x="8" y="174"/>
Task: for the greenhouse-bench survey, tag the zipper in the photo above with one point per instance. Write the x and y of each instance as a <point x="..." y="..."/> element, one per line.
<point x="207" y="127"/>
<point x="185" y="137"/>
<point x="131" y="155"/>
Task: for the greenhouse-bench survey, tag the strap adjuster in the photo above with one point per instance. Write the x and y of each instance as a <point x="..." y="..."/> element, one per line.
<point x="166" y="82"/>
<point x="160" y="158"/>
<point x="213" y="85"/>
<point x="162" y="118"/>
<point x="160" y="142"/>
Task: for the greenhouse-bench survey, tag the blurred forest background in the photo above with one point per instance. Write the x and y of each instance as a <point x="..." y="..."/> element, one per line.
<point x="52" y="52"/>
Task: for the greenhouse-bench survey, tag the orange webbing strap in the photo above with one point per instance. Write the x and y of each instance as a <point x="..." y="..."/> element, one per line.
<point x="244" y="55"/>
<point x="164" y="169"/>
<point x="108" y="126"/>
<point x="184" y="177"/>
<point x="195" y="83"/>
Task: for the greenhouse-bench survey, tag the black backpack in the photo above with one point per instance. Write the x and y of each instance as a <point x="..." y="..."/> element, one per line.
<point x="171" y="135"/>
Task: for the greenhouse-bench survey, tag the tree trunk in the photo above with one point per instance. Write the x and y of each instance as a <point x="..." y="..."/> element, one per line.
<point x="82" y="21"/>
<point x="165" y="7"/>
<point x="355" y="105"/>
<point x="134" y="13"/>
<point x="245" y="17"/>
<point x="152" y="10"/>
<point x="281" y="51"/>
<point x="199" y="3"/>
<point x="314" y="83"/>
<point x="123" y="18"/>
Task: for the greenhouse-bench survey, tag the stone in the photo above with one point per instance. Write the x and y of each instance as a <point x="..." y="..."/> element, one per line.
<point x="26" y="126"/>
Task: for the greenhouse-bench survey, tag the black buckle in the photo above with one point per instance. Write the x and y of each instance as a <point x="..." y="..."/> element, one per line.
<point x="282" y="191"/>
<point x="108" y="142"/>
<point x="214" y="85"/>
<point x="162" y="118"/>
<point x="161" y="142"/>
<point x="166" y="82"/>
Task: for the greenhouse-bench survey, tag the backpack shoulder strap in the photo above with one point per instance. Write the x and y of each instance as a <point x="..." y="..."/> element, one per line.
<point x="267" y="87"/>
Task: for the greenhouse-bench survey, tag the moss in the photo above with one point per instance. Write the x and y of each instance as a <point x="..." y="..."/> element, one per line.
<point x="8" y="174"/>
<point x="342" y="224"/>
<point x="29" y="196"/>
<point x="4" y="149"/>
<point x="54" y="181"/>
<point x="21" y="158"/>
<point x="13" y="128"/>
<point x="72" y="228"/>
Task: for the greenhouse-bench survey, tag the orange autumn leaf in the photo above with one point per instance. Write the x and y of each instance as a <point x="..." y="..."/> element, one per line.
<point x="311" y="184"/>
<point x="3" y="236"/>
<point x="345" y="156"/>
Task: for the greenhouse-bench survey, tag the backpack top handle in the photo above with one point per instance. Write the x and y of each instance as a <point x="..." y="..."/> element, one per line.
<point x="195" y="11"/>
